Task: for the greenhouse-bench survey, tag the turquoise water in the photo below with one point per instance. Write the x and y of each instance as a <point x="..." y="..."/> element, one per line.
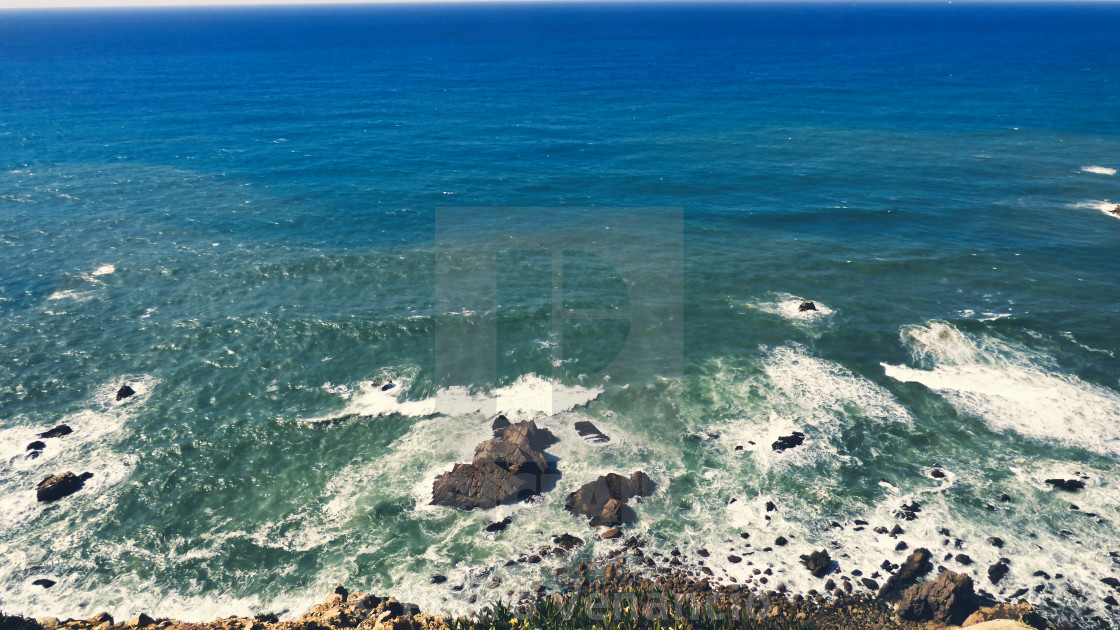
<point x="255" y="217"/>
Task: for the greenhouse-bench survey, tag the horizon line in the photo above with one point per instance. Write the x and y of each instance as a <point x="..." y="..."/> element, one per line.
<point x="33" y="5"/>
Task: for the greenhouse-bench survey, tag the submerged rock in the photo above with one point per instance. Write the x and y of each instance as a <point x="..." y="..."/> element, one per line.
<point x="59" y="486"/>
<point x="56" y="432"/>
<point x="1069" y="485"/>
<point x="784" y="442"/>
<point x="499" y="526"/>
<point x="949" y="599"/>
<point x="124" y="392"/>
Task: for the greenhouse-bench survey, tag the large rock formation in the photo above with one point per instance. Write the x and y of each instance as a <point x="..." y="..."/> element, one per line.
<point x="916" y="566"/>
<point x="817" y="562"/>
<point x="59" y="486"/>
<point x="603" y="501"/>
<point x="948" y="599"/>
<point x="506" y="469"/>
<point x="59" y="431"/>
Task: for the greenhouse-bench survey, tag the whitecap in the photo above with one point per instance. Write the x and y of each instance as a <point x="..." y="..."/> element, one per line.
<point x="788" y="306"/>
<point x="1107" y="207"/>
<point x="1011" y="387"/>
<point x="103" y="270"/>
<point x="1099" y="170"/>
<point x="70" y="294"/>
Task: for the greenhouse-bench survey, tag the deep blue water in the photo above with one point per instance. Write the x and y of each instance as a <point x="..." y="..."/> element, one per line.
<point x="252" y="215"/>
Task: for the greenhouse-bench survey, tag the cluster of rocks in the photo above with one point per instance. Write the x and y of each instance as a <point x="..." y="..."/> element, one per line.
<point x="341" y="611"/>
<point x="62" y="485"/>
<point x="508" y="468"/>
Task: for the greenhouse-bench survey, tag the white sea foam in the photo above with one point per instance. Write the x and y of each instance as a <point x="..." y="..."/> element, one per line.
<point x="103" y="270"/>
<point x="788" y="306"/>
<point x="1011" y="387"/>
<point x="1107" y="207"/>
<point x="1099" y="170"/>
<point x="70" y="294"/>
<point x="527" y="397"/>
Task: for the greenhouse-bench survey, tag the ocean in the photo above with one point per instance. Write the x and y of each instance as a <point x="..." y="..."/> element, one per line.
<point x="579" y="212"/>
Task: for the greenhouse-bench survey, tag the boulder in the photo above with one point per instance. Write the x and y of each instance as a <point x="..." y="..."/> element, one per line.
<point x="788" y="441"/>
<point x="483" y="485"/>
<point x="44" y="582"/>
<point x="949" y="599"/>
<point x="818" y="563"/>
<point x="528" y="433"/>
<point x="1069" y="485"/>
<point x="140" y="621"/>
<point x="59" y="486"/>
<point x="591" y="433"/>
<point x="36" y="446"/>
<point x="998" y="570"/>
<point x="604" y="500"/>
<point x="916" y="566"/>
<point x="499" y="424"/>
<point x="58" y="431"/>
<point x="567" y="542"/>
<point x="124" y="392"/>
<point x="614" y="532"/>
<point x="806" y="306"/>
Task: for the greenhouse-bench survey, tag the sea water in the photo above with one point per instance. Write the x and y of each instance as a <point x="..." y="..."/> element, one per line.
<point x="259" y="217"/>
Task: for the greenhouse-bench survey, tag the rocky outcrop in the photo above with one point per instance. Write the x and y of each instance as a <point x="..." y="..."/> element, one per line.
<point x="124" y="392"/>
<point x="603" y="501"/>
<point x="59" y="486"/>
<point x="818" y="563"/>
<point x="948" y="599"/>
<point x="57" y="432"/>
<point x="591" y="433"/>
<point x="788" y="441"/>
<point x="998" y="570"/>
<point x="806" y="306"/>
<point x="1023" y="612"/>
<point x="916" y="566"/>
<point x="505" y="470"/>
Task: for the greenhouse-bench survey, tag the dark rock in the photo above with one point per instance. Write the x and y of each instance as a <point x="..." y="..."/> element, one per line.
<point x="703" y="553"/>
<point x="567" y="542"/>
<point x="1006" y="498"/>
<point x="996" y="542"/>
<point x="124" y="392"/>
<point x="739" y="447"/>
<point x="964" y="559"/>
<point x="44" y="582"/>
<point x="937" y="473"/>
<point x="770" y="507"/>
<point x="499" y="526"/>
<point x="1113" y="582"/>
<point x="948" y="599"/>
<point x="901" y="546"/>
<point x="515" y="456"/>
<point x="341" y="591"/>
<point x="1069" y="485"/>
<point x="1111" y="601"/>
<point x="998" y="570"/>
<point x="439" y="579"/>
<point x="744" y="535"/>
<point x="591" y="433"/>
<point x="781" y="541"/>
<point x="388" y="385"/>
<point x="734" y="559"/>
<point x="499" y="424"/>
<point x="36" y="446"/>
<point x="140" y="621"/>
<point x="1042" y="574"/>
<point x="1019" y="593"/>
<point x="527" y="433"/>
<point x="58" y="431"/>
<point x="880" y="530"/>
<point x="59" y="486"/>
<point x="886" y="566"/>
<point x="788" y="441"/>
<point x="612" y="514"/>
<point x="870" y="584"/>
<point x="897" y="530"/>
<point x="916" y="566"/>
<point x="806" y="306"/>
<point x="614" y="532"/>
